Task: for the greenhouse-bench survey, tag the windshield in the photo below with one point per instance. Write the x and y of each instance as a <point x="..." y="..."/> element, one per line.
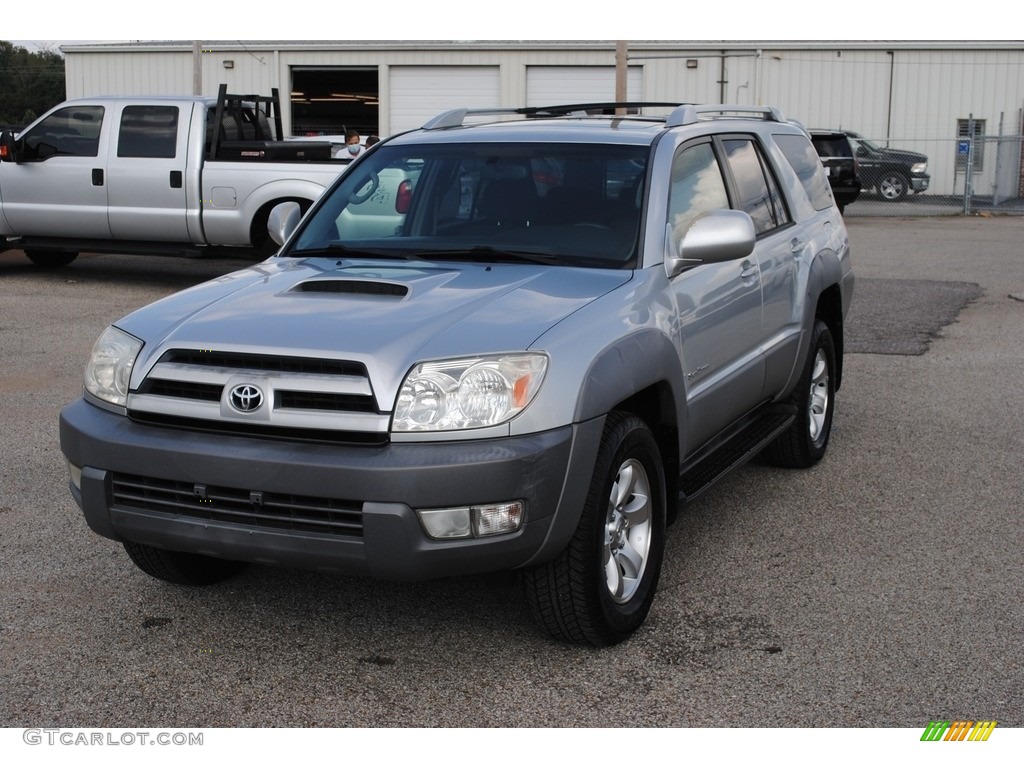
<point x="858" y="139"/>
<point x="567" y="204"/>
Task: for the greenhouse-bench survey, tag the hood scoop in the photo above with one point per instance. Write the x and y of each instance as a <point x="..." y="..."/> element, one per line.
<point x="353" y="287"/>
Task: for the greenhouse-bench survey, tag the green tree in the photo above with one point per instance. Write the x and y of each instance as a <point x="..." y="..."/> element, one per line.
<point x="30" y="83"/>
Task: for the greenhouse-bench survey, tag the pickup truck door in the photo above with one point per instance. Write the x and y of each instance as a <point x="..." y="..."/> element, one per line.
<point x="719" y="306"/>
<point x="58" y="186"/>
<point x="146" y="178"/>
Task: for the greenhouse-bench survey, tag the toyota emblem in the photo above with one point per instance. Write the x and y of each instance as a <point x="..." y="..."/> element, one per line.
<point x="246" y="398"/>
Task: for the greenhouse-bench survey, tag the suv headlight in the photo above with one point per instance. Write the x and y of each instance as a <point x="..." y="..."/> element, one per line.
<point x="110" y="366"/>
<point x="919" y="167"/>
<point x="467" y="393"/>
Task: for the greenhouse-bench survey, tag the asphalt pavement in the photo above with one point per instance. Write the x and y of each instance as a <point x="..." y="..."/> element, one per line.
<point x="881" y="588"/>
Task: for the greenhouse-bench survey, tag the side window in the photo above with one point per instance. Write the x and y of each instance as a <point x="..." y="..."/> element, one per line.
<point x="758" y="192"/>
<point x="71" y="131"/>
<point x="697" y="187"/>
<point x="804" y="159"/>
<point x="148" y="131"/>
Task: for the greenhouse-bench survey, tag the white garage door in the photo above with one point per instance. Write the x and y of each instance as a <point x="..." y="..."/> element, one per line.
<point x="420" y="93"/>
<point x="547" y="86"/>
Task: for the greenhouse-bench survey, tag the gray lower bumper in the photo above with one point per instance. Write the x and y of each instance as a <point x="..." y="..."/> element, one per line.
<point x="550" y="471"/>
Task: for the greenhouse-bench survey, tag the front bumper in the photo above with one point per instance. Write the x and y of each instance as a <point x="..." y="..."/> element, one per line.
<point x="381" y="486"/>
<point x="919" y="183"/>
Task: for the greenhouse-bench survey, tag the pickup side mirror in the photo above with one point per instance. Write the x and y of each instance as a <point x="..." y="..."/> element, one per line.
<point x="283" y="219"/>
<point x="8" y="147"/>
<point x="712" y="237"/>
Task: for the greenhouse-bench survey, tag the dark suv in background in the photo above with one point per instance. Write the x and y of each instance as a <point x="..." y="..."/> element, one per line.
<point x="837" y="156"/>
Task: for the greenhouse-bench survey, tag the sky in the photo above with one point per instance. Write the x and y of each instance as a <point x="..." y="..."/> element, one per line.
<point x="524" y="20"/>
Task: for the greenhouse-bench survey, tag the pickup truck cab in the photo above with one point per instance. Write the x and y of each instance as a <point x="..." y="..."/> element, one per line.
<point x="893" y="173"/>
<point x="518" y="344"/>
<point x="152" y="175"/>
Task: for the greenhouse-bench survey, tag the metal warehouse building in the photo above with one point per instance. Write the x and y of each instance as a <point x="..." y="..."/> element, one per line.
<point x="943" y="99"/>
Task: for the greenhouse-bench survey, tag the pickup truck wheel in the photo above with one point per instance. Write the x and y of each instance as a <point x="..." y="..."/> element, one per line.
<point x="893" y="186"/>
<point x="599" y="590"/>
<point x="51" y="259"/>
<point x="181" y="567"/>
<point x="804" y="443"/>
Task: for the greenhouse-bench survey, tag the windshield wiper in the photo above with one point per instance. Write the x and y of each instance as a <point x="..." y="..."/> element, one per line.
<point x="490" y="253"/>
<point x="337" y="249"/>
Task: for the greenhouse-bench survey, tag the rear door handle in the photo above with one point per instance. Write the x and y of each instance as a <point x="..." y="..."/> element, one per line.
<point x="97" y="177"/>
<point x="175" y="179"/>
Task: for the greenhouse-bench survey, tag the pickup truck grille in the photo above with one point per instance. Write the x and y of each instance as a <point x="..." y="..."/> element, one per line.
<point x="266" y="395"/>
<point x="234" y="505"/>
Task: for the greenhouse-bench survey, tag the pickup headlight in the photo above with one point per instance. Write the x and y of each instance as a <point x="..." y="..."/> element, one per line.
<point x="110" y="366"/>
<point x="467" y="393"/>
<point x="919" y="167"/>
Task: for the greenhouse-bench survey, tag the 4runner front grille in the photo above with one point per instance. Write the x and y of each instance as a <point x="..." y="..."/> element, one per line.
<point x="266" y="395"/>
<point x="234" y="505"/>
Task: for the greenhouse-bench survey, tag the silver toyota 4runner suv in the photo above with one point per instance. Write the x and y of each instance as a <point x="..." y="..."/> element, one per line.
<point x="513" y="340"/>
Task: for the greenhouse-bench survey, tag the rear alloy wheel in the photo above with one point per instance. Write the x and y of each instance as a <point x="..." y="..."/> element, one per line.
<point x="181" y="567"/>
<point x="51" y="259"/>
<point x="893" y="186"/>
<point x="599" y="590"/>
<point x="804" y="443"/>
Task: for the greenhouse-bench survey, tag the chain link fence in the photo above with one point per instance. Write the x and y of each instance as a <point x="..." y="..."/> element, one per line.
<point x="970" y="174"/>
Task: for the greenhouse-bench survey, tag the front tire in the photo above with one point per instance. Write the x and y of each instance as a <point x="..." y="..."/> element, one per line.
<point x="893" y="186"/>
<point x="599" y="590"/>
<point x="804" y="443"/>
<point x="181" y="567"/>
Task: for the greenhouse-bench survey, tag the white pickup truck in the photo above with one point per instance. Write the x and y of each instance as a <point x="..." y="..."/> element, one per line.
<point x="153" y="175"/>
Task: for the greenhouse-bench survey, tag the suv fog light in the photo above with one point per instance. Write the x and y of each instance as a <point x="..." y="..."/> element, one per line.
<point x="76" y="475"/>
<point x="445" y="523"/>
<point x="492" y="519"/>
<point x="467" y="522"/>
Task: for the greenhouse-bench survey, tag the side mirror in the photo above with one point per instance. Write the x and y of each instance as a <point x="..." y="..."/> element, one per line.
<point x="8" y="147"/>
<point x="712" y="237"/>
<point x="283" y="219"/>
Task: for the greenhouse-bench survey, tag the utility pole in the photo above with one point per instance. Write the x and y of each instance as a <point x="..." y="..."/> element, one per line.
<point x="197" y="68"/>
<point x="621" y="51"/>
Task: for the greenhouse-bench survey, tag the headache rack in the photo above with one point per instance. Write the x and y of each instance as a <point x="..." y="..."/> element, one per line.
<point x="681" y="114"/>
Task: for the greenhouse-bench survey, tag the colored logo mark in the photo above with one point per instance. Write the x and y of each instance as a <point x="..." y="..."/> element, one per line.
<point x="958" y="730"/>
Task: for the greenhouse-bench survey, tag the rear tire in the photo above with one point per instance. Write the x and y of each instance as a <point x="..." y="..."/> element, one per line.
<point x="804" y="443"/>
<point x="181" y="567"/>
<point x="599" y="590"/>
<point x="51" y="259"/>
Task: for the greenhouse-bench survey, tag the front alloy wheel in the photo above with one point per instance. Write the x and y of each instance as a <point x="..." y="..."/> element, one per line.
<point x="627" y="537"/>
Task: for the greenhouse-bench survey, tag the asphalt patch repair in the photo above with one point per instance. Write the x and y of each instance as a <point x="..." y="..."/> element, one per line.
<point x="901" y="317"/>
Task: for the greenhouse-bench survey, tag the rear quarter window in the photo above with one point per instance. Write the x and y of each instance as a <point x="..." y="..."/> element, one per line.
<point x="807" y="165"/>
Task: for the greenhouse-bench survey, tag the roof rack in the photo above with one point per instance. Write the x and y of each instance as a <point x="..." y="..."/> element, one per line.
<point x="688" y="114"/>
<point x="682" y="113"/>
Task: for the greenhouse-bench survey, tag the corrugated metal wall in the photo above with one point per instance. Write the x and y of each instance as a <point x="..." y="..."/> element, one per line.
<point x="909" y="94"/>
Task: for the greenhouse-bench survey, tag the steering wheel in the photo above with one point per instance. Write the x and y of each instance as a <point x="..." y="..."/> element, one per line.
<point x="366" y="191"/>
